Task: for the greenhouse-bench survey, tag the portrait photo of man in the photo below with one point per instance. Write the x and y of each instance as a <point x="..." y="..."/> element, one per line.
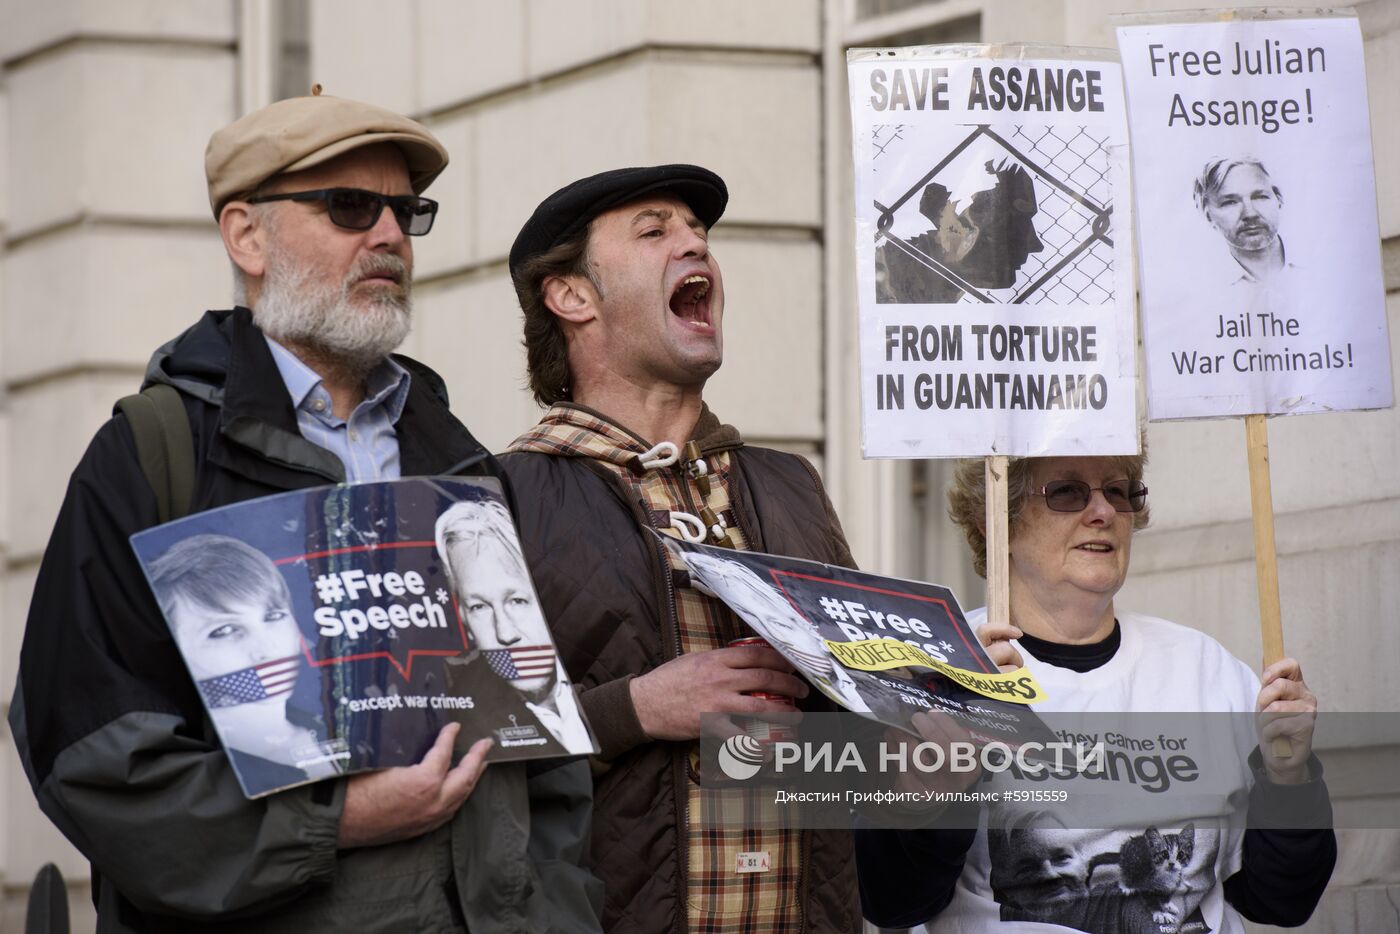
<point x="231" y="614"/>
<point x="1244" y="204"/>
<point x="521" y="696"/>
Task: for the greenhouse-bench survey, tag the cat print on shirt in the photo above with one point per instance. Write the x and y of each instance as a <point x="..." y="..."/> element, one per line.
<point x="1114" y="882"/>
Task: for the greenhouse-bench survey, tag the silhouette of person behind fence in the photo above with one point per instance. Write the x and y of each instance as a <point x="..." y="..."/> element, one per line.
<point x="984" y="246"/>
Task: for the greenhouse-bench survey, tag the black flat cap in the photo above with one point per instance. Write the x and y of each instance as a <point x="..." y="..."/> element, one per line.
<point x="565" y="212"/>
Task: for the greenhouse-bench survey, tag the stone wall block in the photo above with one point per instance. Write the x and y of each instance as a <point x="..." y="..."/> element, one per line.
<point x="367" y="50"/>
<point x="63" y="284"/>
<point x="5" y="144"/>
<point x="757" y="126"/>
<point x="468" y="48"/>
<point x="48" y="101"/>
<point x="32" y="840"/>
<point x="770" y="383"/>
<point x="124" y="131"/>
<point x="450" y="244"/>
<point x="740" y="24"/>
<point x="39" y="467"/>
<point x="563" y="34"/>
<point x="16" y="590"/>
<point x="529" y="145"/>
<point x="1323" y="593"/>
<point x="30" y="26"/>
<point x="6" y="529"/>
<point x="567" y="33"/>
<point x="655" y="114"/>
<point x="1179" y="454"/>
<point x="471" y="335"/>
<point x="1382" y="78"/>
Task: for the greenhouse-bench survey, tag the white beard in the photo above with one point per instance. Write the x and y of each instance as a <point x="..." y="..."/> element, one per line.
<point x="324" y="319"/>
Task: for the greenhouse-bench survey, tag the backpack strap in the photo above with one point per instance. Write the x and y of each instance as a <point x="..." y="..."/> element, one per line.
<point x="164" y="446"/>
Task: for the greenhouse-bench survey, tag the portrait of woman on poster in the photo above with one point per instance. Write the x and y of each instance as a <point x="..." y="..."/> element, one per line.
<point x="230" y="611"/>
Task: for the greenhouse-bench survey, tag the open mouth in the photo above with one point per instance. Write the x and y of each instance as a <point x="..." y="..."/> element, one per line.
<point x="1096" y="547"/>
<point x="691" y="300"/>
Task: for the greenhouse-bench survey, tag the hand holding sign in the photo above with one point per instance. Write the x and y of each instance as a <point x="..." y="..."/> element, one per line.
<point x="405" y="802"/>
<point x="670" y="698"/>
<point x="1288" y="711"/>
<point x="996" y="639"/>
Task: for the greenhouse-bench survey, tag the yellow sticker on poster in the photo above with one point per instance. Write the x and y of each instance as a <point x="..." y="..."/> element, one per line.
<point x="1016" y="687"/>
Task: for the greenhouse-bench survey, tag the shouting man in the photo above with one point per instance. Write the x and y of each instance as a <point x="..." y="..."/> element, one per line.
<point x="624" y="311"/>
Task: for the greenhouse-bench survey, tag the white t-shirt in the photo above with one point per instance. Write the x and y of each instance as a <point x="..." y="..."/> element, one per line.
<point x="1165" y="876"/>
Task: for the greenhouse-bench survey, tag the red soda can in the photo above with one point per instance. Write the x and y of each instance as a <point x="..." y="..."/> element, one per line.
<point x="765" y="731"/>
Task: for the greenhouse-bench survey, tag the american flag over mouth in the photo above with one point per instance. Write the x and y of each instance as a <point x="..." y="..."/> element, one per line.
<point x="269" y="679"/>
<point x="521" y="661"/>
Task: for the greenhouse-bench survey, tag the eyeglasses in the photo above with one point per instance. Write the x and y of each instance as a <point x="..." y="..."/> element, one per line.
<point x="1073" y="495"/>
<point x="357" y="209"/>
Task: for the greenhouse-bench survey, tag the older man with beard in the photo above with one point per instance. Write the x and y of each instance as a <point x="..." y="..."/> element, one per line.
<point x="317" y="199"/>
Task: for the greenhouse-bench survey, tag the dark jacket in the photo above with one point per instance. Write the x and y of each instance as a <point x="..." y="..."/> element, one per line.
<point x="124" y="760"/>
<point x="607" y="591"/>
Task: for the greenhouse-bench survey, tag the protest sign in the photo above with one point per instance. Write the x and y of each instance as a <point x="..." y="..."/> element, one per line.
<point x="880" y="647"/>
<point x="1262" y="289"/>
<point x="993" y="252"/>
<point x="338" y="629"/>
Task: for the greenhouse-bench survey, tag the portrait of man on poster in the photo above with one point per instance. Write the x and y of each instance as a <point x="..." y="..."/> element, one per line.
<point x="520" y="692"/>
<point x="1239" y="198"/>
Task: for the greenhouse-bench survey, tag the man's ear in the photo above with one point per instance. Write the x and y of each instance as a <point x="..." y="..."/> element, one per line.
<point x="245" y="238"/>
<point x="572" y="298"/>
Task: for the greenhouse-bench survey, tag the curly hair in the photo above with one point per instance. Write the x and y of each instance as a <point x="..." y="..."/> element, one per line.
<point x="546" y="351"/>
<point x="967" y="498"/>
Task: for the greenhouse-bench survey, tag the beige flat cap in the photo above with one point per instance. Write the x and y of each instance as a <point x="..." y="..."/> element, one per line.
<point x="300" y="132"/>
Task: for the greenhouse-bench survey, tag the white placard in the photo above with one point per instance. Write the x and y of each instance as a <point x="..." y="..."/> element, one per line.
<point x="1261" y="280"/>
<point x="993" y="252"/>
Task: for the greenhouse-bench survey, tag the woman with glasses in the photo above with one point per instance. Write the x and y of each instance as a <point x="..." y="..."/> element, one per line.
<point x="1181" y="864"/>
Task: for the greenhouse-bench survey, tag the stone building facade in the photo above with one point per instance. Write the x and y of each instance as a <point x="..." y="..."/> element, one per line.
<point x="107" y="249"/>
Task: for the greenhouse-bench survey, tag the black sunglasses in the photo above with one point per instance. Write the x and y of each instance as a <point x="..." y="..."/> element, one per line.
<point x="357" y="209"/>
<point x="1073" y="495"/>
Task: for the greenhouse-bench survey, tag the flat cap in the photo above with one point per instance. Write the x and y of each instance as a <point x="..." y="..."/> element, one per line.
<point x="302" y="132"/>
<point x="565" y="212"/>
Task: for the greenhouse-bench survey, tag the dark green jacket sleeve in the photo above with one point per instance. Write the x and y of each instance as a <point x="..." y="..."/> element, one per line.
<point x="113" y="736"/>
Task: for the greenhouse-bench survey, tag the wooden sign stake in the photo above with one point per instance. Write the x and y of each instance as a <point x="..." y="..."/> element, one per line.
<point x="998" y="542"/>
<point x="1261" y="500"/>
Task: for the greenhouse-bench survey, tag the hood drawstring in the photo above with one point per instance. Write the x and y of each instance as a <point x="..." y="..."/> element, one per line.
<point x="709" y="525"/>
<point x="688" y="527"/>
<point x="662" y="454"/>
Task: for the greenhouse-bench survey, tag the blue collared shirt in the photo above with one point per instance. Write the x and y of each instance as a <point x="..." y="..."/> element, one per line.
<point x="366" y="443"/>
